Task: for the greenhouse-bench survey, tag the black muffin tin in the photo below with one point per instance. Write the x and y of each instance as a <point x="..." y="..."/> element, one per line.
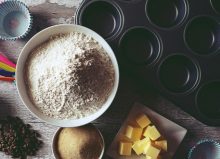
<point x="173" y="45"/>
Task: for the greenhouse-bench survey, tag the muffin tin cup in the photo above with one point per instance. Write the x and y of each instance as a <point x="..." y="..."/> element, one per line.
<point x="179" y="74"/>
<point x="216" y="5"/>
<point x="202" y="35"/>
<point x="130" y="1"/>
<point x="102" y="16"/>
<point x="207" y="101"/>
<point x="166" y="14"/>
<point x="205" y="149"/>
<point x="140" y="46"/>
<point x="15" y="20"/>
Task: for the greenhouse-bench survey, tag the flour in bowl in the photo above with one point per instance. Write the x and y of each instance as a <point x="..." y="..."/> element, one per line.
<point x="69" y="76"/>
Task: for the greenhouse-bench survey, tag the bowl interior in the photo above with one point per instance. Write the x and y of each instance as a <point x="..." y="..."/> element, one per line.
<point x="202" y="35"/>
<point x="55" y="138"/>
<point x="166" y="13"/>
<point x="179" y="74"/>
<point x="42" y="37"/>
<point x="140" y="46"/>
<point x="207" y="100"/>
<point x="104" y="17"/>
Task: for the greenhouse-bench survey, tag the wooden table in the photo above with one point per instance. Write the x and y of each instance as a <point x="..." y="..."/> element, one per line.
<point x="50" y="12"/>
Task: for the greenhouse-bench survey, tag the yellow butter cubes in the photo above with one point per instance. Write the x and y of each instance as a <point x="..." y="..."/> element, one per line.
<point x="152" y="133"/>
<point x="148" y="157"/>
<point x="142" y="139"/>
<point x="143" y="121"/>
<point x="140" y="145"/>
<point x="133" y="133"/>
<point x="125" y="148"/>
<point x="152" y="151"/>
<point x="161" y="144"/>
<point x="138" y="149"/>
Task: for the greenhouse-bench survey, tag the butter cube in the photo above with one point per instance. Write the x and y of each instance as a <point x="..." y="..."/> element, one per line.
<point x="133" y="133"/>
<point x="146" y="148"/>
<point x="161" y="144"/>
<point x="152" y="151"/>
<point x="152" y="133"/>
<point x="125" y="148"/>
<point x="140" y="145"/>
<point x="138" y="149"/>
<point x="143" y="121"/>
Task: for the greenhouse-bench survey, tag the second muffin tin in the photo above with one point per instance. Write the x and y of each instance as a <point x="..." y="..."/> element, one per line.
<point x="173" y="45"/>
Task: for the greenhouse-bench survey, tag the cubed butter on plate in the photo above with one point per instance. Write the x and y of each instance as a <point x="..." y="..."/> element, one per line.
<point x="152" y="151"/>
<point x="133" y="133"/>
<point x="161" y="144"/>
<point x="148" y="157"/>
<point x="143" y="121"/>
<point x="125" y="148"/>
<point x="140" y="145"/>
<point x="152" y="133"/>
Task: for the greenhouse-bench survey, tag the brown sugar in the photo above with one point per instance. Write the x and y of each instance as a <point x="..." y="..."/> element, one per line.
<point x="83" y="142"/>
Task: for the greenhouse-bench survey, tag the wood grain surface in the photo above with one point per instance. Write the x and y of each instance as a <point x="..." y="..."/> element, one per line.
<point x="50" y="12"/>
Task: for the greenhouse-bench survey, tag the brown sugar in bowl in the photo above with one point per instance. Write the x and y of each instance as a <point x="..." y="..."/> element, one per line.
<point x="85" y="142"/>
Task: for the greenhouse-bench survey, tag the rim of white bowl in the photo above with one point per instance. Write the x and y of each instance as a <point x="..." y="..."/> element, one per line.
<point x="33" y="43"/>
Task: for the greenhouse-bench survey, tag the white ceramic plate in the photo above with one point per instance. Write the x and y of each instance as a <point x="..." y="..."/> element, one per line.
<point x="38" y="39"/>
<point x="170" y="130"/>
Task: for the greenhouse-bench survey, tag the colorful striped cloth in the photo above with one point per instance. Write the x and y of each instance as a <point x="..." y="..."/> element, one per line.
<point x="7" y="69"/>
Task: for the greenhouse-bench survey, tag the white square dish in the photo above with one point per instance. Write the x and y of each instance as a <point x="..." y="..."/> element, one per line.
<point x="169" y="130"/>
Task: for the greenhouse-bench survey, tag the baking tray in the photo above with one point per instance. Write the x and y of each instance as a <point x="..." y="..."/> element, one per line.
<point x="173" y="45"/>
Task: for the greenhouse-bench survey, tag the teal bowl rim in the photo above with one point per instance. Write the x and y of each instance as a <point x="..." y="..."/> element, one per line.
<point x="29" y="26"/>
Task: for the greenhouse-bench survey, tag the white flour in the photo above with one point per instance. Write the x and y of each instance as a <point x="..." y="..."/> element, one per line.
<point x="69" y="76"/>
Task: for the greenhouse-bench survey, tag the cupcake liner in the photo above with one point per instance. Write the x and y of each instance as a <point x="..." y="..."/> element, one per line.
<point x="206" y="149"/>
<point x="15" y="20"/>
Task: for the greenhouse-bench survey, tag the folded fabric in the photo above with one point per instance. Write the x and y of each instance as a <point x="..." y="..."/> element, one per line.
<point x="2" y="78"/>
<point x="6" y="73"/>
<point x="6" y="67"/>
<point x="6" y="61"/>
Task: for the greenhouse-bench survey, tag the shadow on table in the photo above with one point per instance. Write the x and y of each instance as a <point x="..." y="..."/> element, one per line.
<point x="40" y="22"/>
<point x="5" y="108"/>
<point x="183" y="150"/>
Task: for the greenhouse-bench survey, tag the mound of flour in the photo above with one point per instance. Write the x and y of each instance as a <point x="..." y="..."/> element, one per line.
<point x="69" y="76"/>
